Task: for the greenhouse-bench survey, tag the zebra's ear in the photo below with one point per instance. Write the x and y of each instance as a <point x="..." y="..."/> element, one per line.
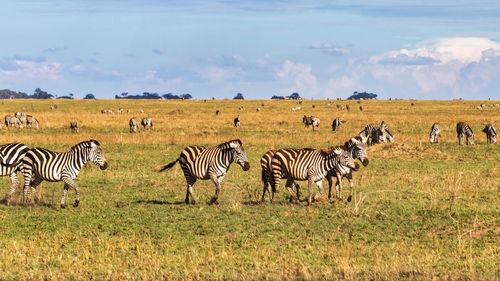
<point x="337" y="151"/>
<point x="234" y="144"/>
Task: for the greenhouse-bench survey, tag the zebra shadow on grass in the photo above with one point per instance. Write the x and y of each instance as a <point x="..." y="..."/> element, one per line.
<point x="158" y="202"/>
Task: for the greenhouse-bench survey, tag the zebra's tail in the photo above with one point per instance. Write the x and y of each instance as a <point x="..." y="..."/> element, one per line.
<point x="169" y="165"/>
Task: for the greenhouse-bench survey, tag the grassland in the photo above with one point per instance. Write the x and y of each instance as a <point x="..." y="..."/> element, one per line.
<point x="420" y="211"/>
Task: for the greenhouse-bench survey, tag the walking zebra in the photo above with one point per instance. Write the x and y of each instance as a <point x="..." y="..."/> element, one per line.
<point x="464" y="129"/>
<point x="377" y="133"/>
<point x="267" y="176"/>
<point x="435" y="133"/>
<point x="310" y="121"/>
<point x="41" y="164"/>
<point x="133" y="124"/>
<point x="336" y="123"/>
<point x="31" y="122"/>
<point x="11" y="156"/>
<point x="74" y="126"/>
<point x="308" y="164"/>
<point x="198" y="162"/>
<point x="491" y="133"/>
<point x="237" y="121"/>
<point x="147" y="121"/>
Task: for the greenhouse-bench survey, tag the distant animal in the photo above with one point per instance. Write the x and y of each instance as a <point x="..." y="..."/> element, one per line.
<point x="313" y="106"/>
<point x="11" y="121"/>
<point x="258" y="109"/>
<point x="262" y="105"/>
<point x="491" y="133"/>
<point x="11" y="156"/>
<point x="141" y="111"/>
<point x="435" y="133"/>
<point x="267" y="177"/>
<point x="104" y="111"/>
<point x="463" y="129"/>
<point x="32" y="122"/>
<point x="198" y="162"/>
<point x="412" y="104"/>
<point x="21" y="116"/>
<point x="310" y="121"/>
<point x="237" y="121"/>
<point x="133" y="124"/>
<point x="307" y="164"/>
<point x="348" y="107"/>
<point x="41" y="164"/>
<point x="296" y="108"/>
<point x="374" y="133"/>
<point x="361" y="108"/>
<point x="120" y="111"/>
<point x="336" y="123"/>
<point x="240" y="108"/>
<point x="217" y="112"/>
<point x="147" y="121"/>
<point x="73" y="125"/>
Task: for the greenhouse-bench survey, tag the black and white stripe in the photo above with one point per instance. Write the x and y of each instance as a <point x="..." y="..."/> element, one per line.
<point x="463" y="129"/>
<point x="336" y="123"/>
<point x="237" y="121"/>
<point x="435" y="133"/>
<point x="491" y="133"/>
<point x="267" y="176"/>
<point x="11" y="156"/>
<point x="133" y="124"/>
<point x="147" y="121"/>
<point x="374" y="133"/>
<point x="308" y="164"/>
<point x="198" y="162"/>
<point x="41" y="164"/>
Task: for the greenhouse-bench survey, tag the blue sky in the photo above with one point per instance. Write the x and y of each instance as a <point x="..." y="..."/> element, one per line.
<point x="407" y="49"/>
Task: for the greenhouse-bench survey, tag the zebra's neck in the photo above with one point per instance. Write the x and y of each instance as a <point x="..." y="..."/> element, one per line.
<point x="227" y="157"/>
<point x="78" y="157"/>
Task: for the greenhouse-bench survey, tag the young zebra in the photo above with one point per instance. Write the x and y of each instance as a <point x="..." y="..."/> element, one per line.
<point x="41" y="164"/>
<point x="237" y="121"/>
<point x="377" y="133"/>
<point x="435" y="133"/>
<point x="147" y="121"/>
<point x="133" y="124"/>
<point x="11" y="156"/>
<point x="336" y="123"/>
<point x="464" y="129"/>
<point x="198" y="162"/>
<point x="267" y="176"/>
<point x="73" y="125"/>
<point x="491" y="134"/>
<point x="308" y="164"/>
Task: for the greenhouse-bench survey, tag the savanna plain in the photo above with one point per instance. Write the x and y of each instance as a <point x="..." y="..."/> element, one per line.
<point x="420" y="211"/>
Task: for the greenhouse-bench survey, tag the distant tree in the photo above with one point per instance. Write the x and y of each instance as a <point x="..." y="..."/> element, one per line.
<point x="39" y="94"/>
<point x="8" y="94"/>
<point x="294" y="96"/>
<point x="145" y="95"/>
<point x="170" y="96"/>
<point x="186" y="96"/>
<point x="364" y="95"/>
<point x="275" y="97"/>
<point x="89" y="97"/>
<point x="124" y="94"/>
<point x="239" y="96"/>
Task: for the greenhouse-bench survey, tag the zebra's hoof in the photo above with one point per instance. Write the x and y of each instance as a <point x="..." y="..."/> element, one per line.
<point x="76" y="204"/>
<point x="349" y="198"/>
<point x="214" y="200"/>
<point x="63" y="206"/>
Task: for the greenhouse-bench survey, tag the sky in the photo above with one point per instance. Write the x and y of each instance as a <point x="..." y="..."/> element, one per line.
<point x="441" y="49"/>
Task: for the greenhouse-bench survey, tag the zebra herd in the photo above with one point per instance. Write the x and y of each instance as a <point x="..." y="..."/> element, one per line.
<point x="464" y="131"/>
<point x="145" y="123"/>
<point x="20" y="120"/>
<point x="39" y="164"/>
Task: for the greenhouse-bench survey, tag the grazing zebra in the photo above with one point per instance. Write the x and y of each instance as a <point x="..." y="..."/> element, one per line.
<point x="120" y="111"/>
<point x="11" y="121"/>
<point x="308" y="164"/>
<point x="237" y="121"/>
<point x="31" y="122"/>
<point x="240" y="108"/>
<point x="296" y="108"/>
<point x="336" y="123"/>
<point x="310" y="121"/>
<point x="360" y="108"/>
<point x="313" y="106"/>
<point x="267" y="176"/>
<point x="491" y="134"/>
<point x="22" y="117"/>
<point x="217" y="112"/>
<point x="377" y="133"/>
<point x="147" y="121"/>
<point x="41" y="164"/>
<point x="357" y="150"/>
<point x="11" y="156"/>
<point x="74" y="126"/>
<point x="258" y="109"/>
<point x="134" y="124"/>
<point x="198" y="162"/>
<point x="464" y="129"/>
<point x="435" y="133"/>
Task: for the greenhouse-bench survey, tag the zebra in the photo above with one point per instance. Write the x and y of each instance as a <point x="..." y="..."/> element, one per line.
<point x="22" y="117"/>
<point x="360" y="108"/>
<point x="491" y="133"/>
<point x="296" y="108"/>
<point x="336" y="123"/>
<point x="120" y="111"/>
<point x="198" y="162"/>
<point x="377" y="133"/>
<point x="267" y="176"/>
<point x="133" y="124"/>
<point x="464" y="129"/>
<point x="217" y="112"/>
<point x="147" y="121"/>
<point x="41" y="164"/>
<point x="435" y="133"/>
<point x="237" y="121"/>
<point x="308" y="164"/>
<point x="74" y="126"/>
<point x="11" y="156"/>
<point x="310" y="120"/>
<point x="258" y="109"/>
<point x="347" y="107"/>
<point x="11" y="121"/>
<point x="31" y="122"/>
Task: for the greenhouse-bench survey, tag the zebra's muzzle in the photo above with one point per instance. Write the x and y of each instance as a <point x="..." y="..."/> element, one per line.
<point x="365" y="162"/>
<point x="104" y="166"/>
<point x="246" y="166"/>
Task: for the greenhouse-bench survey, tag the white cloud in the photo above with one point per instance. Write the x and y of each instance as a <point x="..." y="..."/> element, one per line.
<point x="298" y="78"/>
<point x="20" y="68"/>
<point x="329" y="48"/>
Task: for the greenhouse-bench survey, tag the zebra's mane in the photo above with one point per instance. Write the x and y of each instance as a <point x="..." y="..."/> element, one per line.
<point x="330" y="150"/>
<point x="350" y="142"/>
<point x="226" y="144"/>
<point x="85" y="144"/>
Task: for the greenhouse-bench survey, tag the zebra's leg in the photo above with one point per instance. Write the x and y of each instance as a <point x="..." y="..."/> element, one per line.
<point x="34" y="183"/>
<point x="68" y="182"/>
<point x="14" y="183"/>
<point x="267" y="187"/>
<point x="289" y="187"/>
<point x="297" y="190"/>
<point x="338" y="187"/>
<point x="330" y="183"/>
<point x="310" y="186"/>
<point x="321" y="189"/>
<point x="351" y="183"/>
<point x="27" y="173"/>
<point x="217" y="180"/>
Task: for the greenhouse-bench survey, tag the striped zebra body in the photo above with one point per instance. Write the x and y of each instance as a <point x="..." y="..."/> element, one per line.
<point x="198" y="162"/>
<point x="435" y="133"/>
<point x="41" y="164"/>
<point x="310" y="121"/>
<point x="11" y="121"/>
<point x="491" y="133"/>
<point x="133" y="124"/>
<point x="74" y="126"/>
<point x="307" y="164"/>
<point x="377" y="133"/>
<point x="336" y="123"/>
<point x="237" y="121"/>
<point x="147" y="121"/>
<point x="267" y="176"/>
<point x="11" y="156"/>
<point x="31" y="122"/>
<point x="463" y="129"/>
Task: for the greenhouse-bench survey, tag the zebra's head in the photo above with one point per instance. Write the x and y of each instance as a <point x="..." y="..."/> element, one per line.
<point x="342" y="158"/>
<point x="96" y="155"/>
<point x="239" y="154"/>
<point x="470" y="137"/>
<point x="358" y="150"/>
